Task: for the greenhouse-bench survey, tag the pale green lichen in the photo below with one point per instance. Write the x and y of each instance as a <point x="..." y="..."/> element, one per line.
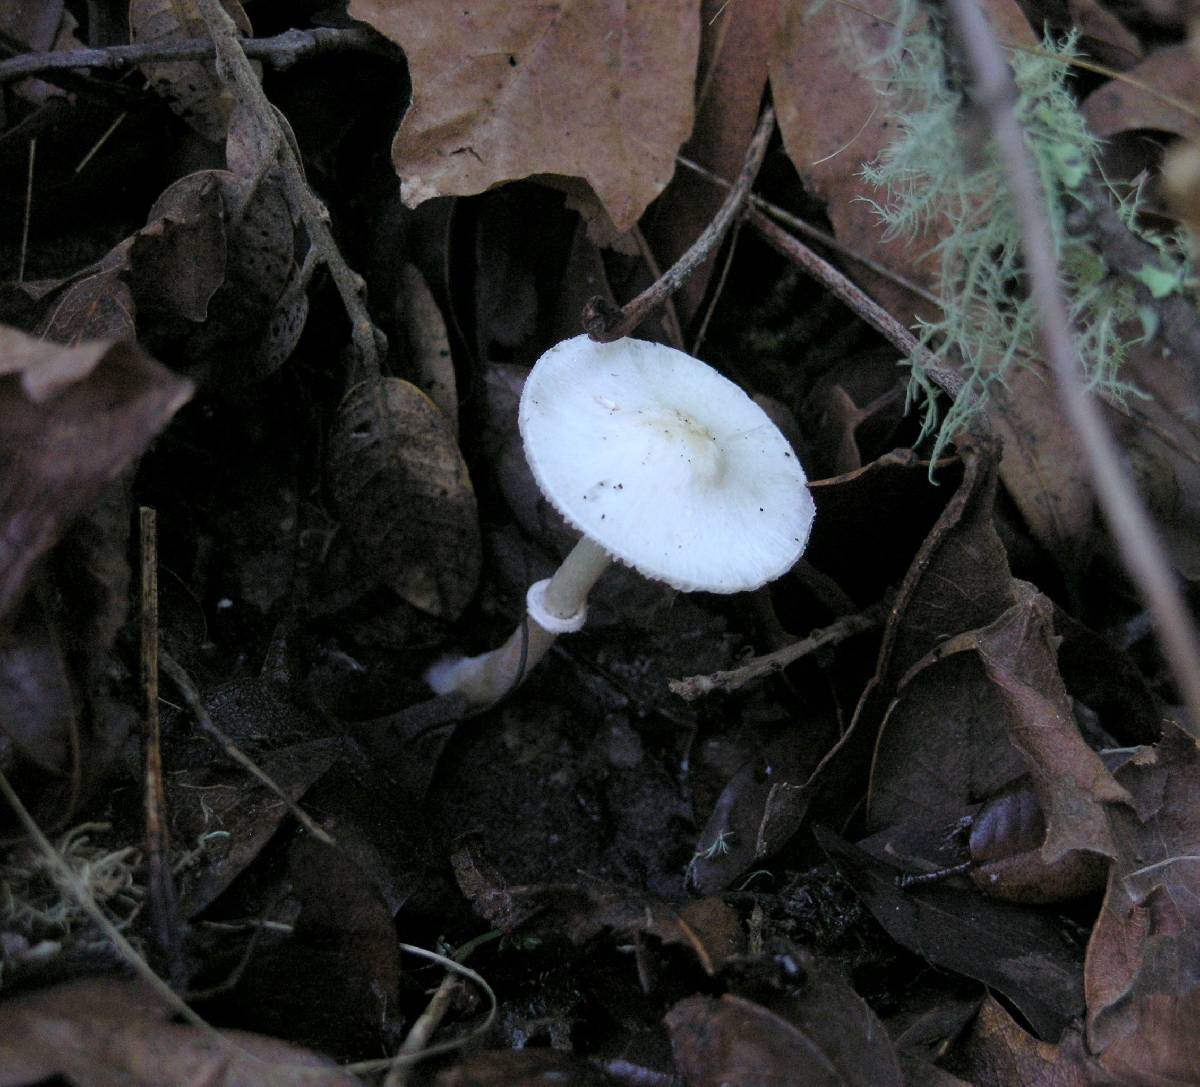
<point x="35" y="909"/>
<point x="934" y="181"/>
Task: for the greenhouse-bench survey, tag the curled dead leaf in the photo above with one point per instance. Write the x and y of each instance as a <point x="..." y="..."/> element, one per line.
<point x="191" y="88"/>
<point x="71" y="419"/>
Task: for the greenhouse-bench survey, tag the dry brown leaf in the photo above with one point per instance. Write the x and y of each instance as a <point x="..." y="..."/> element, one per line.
<point x="33" y="25"/>
<point x="38" y="27"/>
<point x="823" y="1036"/>
<point x="216" y="793"/>
<point x="279" y="339"/>
<point x="403" y="491"/>
<point x="37" y="704"/>
<point x="1016" y="951"/>
<point x="708" y="927"/>
<point x="1105" y="37"/>
<point x="835" y="115"/>
<point x="736" y="43"/>
<point x="1019" y="652"/>
<point x="191" y="88"/>
<point x="104" y="1032"/>
<point x="98" y="307"/>
<point x="504" y="90"/>
<point x="961" y="555"/>
<point x="1120" y="107"/>
<point x="1043" y="467"/>
<point x="1163" y="446"/>
<point x="1181" y="179"/>
<point x="943" y="745"/>
<point x="996" y="1052"/>
<point x="219" y="251"/>
<point x="423" y="330"/>
<point x="71" y="419"/>
<point x="178" y="258"/>
<point x="1143" y="964"/>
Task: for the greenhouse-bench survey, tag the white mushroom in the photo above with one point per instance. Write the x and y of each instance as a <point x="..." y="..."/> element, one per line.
<point x="661" y="463"/>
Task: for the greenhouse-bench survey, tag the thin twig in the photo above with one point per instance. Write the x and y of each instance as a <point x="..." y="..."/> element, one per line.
<point x="715" y="294"/>
<point x="794" y="222"/>
<point x="281" y="51"/>
<point x="71" y="883"/>
<point x="200" y="712"/>
<point x="163" y="912"/>
<point x="235" y="70"/>
<point x="605" y="322"/>
<point x="670" y="315"/>
<point x="1142" y="552"/>
<point x="858" y="300"/>
<point x="691" y="688"/>
<point x="417" y="1041"/>
<point x="25" y="219"/>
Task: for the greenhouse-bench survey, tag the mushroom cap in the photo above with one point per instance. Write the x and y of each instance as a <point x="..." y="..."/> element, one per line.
<point x="664" y="463"/>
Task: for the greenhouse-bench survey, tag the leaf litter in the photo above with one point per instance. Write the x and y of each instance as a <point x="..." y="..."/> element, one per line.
<point x="952" y="845"/>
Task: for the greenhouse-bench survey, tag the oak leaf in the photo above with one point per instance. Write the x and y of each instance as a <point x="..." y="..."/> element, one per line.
<point x="504" y="90"/>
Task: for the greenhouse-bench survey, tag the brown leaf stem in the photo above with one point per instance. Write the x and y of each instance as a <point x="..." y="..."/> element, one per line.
<point x="857" y="300"/>
<point x="1141" y="550"/>
<point x="280" y="51"/>
<point x="163" y="911"/>
<point x="605" y="322"/>
<point x="824" y="238"/>
<point x="234" y="68"/>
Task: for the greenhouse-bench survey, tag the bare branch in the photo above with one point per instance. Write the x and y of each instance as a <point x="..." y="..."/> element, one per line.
<point x="857" y="300"/>
<point x="605" y="322"/>
<point x="234" y="68"/>
<point x="281" y="51"/>
<point x="692" y="687"/>
<point x="1141" y="550"/>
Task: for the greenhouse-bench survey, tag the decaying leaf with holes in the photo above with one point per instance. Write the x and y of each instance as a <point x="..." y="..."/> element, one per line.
<point x="402" y="489"/>
<point x="253" y="315"/>
<point x="190" y="87"/>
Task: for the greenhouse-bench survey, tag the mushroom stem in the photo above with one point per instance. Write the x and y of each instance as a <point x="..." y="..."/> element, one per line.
<point x="568" y="590"/>
<point x="560" y="604"/>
